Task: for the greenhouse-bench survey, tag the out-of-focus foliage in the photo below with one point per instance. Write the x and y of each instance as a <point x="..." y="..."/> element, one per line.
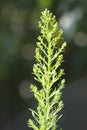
<point x="18" y="33"/>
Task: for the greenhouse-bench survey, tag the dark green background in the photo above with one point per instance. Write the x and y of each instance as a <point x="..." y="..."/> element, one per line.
<point x="18" y="35"/>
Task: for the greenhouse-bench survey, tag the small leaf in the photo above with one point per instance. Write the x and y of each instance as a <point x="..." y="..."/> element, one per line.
<point x="32" y="125"/>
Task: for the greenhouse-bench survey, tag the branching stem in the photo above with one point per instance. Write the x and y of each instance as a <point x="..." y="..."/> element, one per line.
<point x="47" y="72"/>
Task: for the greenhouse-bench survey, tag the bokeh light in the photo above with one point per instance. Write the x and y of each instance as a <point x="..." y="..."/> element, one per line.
<point x="69" y="21"/>
<point x="24" y="90"/>
<point x="80" y="39"/>
<point x="27" y="51"/>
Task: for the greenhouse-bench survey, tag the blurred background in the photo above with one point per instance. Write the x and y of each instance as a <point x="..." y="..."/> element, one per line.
<point x="18" y="35"/>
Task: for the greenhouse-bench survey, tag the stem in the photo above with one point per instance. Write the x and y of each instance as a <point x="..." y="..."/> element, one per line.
<point x="48" y="87"/>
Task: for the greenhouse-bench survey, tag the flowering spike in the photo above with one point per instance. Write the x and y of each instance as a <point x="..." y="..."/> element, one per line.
<point x="47" y="71"/>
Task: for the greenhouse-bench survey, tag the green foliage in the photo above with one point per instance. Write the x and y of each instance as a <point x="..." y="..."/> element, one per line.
<point x="47" y="71"/>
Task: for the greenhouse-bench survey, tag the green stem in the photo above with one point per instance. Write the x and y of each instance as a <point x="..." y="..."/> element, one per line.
<point x="47" y="88"/>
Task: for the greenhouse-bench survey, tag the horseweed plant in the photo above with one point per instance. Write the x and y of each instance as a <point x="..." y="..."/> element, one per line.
<point x="47" y="71"/>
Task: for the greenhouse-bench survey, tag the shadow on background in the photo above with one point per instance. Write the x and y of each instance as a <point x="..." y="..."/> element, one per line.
<point x="18" y="34"/>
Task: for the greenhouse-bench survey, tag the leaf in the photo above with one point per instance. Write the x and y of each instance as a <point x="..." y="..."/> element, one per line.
<point x="32" y="125"/>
